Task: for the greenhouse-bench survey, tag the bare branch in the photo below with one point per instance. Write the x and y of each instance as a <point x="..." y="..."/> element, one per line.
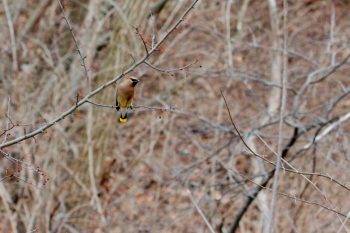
<point x="102" y="87"/>
<point x="331" y="70"/>
<point x="293" y="170"/>
<point x="240" y="136"/>
<point x="170" y="70"/>
<point x="343" y="224"/>
<point x="294" y="198"/>
<point x="136" y="107"/>
<point x="82" y="58"/>
<point x="142" y="39"/>
<point x="200" y="212"/>
<point x="333" y="102"/>
<point x="270" y="175"/>
<point x="285" y="151"/>
<point x="10" y="125"/>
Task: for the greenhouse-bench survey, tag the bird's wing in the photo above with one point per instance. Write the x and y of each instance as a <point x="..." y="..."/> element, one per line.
<point x="116" y="101"/>
<point x="123" y="102"/>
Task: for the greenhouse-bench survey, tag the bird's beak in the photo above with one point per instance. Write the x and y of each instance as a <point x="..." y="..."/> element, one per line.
<point x="135" y="81"/>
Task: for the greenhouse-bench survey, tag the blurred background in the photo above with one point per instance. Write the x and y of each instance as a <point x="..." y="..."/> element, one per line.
<point x="178" y="165"/>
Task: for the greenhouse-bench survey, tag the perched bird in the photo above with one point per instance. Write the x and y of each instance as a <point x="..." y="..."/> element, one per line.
<point x="124" y="97"/>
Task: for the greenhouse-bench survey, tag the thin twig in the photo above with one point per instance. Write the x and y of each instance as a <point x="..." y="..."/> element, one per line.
<point x="206" y="159"/>
<point x="82" y="58"/>
<point x="333" y="102"/>
<point x="294" y="170"/>
<point x="239" y="134"/>
<point x="309" y="81"/>
<point x="10" y="125"/>
<point x="170" y="70"/>
<point x="142" y="39"/>
<point x="297" y="199"/>
<point x="200" y="212"/>
<point x="344" y="223"/>
<point x="331" y="71"/>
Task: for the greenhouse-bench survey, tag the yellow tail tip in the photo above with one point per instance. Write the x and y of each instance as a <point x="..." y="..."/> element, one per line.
<point x="123" y="119"/>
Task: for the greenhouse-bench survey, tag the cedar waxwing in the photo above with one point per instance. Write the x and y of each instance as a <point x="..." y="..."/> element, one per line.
<point x="124" y="96"/>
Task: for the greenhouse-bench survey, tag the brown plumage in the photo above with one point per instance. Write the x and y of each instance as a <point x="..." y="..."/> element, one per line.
<point x="124" y="96"/>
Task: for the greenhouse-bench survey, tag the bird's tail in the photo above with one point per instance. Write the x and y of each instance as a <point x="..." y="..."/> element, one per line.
<point x="123" y="117"/>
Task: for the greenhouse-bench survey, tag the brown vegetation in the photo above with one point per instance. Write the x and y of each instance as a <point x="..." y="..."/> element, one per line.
<point x="182" y="163"/>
